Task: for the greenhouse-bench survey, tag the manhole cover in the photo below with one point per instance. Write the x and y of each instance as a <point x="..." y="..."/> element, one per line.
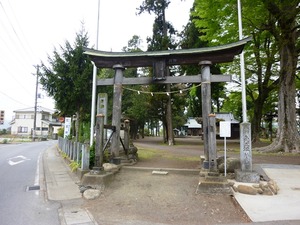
<point x="33" y="188"/>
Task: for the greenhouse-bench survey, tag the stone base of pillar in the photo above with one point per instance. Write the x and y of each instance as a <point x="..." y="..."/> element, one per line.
<point x="203" y="172"/>
<point x="247" y="176"/>
<point x="205" y="164"/>
<point x="116" y="160"/>
<point x="214" y="184"/>
<point x="206" y="171"/>
<point x="96" y="180"/>
<point x="97" y="169"/>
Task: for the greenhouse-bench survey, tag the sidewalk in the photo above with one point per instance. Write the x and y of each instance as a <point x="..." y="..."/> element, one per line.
<point x="62" y="186"/>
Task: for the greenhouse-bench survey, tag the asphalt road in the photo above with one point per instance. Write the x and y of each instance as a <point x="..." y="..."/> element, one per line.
<point x="22" y="190"/>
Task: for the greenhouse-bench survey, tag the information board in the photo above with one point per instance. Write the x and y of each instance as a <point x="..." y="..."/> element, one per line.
<point x="67" y="126"/>
<point x="225" y="129"/>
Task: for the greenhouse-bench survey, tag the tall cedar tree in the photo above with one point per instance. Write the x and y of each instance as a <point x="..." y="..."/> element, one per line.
<point x="68" y="79"/>
<point x="190" y="39"/>
<point x="135" y="106"/>
<point x="161" y="40"/>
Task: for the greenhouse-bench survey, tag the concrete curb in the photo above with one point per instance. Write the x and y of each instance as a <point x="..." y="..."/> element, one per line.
<point x="62" y="186"/>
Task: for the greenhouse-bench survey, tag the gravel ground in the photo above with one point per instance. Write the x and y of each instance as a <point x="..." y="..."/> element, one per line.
<point x="136" y="196"/>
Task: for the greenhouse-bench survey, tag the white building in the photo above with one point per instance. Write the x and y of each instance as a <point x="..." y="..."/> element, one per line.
<point x="192" y="127"/>
<point x="23" y="123"/>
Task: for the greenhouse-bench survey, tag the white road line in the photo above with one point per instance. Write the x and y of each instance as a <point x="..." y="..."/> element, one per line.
<point x="37" y="172"/>
<point x="17" y="160"/>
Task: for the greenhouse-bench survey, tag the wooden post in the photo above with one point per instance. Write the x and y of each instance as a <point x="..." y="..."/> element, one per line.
<point x="117" y="103"/>
<point x="99" y="142"/>
<point x="85" y="161"/>
<point x="126" y="135"/>
<point x="212" y="151"/>
<point x="206" y="107"/>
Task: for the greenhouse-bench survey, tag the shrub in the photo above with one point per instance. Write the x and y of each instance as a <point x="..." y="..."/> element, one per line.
<point x="74" y="165"/>
<point x="60" y="132"/>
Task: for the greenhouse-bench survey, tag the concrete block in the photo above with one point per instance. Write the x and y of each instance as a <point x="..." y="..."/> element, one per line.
<point x="213" y="184"/>
<point x="247" y="176"/>
<point x="97" y="179"/>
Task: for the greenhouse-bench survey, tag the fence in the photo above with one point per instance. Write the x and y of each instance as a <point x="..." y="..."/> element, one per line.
<point x="76" y="151"/>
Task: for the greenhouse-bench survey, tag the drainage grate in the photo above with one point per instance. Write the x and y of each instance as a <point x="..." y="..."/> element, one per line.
<point x="33" y="188"/>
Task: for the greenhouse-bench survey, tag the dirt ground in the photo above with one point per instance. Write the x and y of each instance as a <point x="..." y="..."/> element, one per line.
<point x="136" y="196"/>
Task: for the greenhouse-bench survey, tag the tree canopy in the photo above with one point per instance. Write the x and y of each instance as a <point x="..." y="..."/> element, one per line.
<point x="67" y="78"/>
<point x="273" y="26"/>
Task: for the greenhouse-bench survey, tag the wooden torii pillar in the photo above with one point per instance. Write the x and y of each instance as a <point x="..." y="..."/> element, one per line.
<point x="160" y="61"/>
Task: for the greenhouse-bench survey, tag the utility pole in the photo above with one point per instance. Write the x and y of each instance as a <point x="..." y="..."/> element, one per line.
<point x="35" y="103"/>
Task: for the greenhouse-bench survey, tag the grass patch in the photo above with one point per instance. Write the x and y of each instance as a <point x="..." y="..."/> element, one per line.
<point x="144" y="154"/>
<point x="183" y="158"/>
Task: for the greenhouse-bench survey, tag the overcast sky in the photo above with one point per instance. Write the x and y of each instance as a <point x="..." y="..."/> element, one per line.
<point x="31" y="29"/>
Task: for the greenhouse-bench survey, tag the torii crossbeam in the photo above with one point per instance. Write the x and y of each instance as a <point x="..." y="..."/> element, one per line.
<point x="160" y="61"/>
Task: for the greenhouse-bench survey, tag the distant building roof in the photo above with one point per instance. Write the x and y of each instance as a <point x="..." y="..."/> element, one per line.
<point x="192" y="123"/>
<point x="39" y="109"/>
<point x="226" y="117"/>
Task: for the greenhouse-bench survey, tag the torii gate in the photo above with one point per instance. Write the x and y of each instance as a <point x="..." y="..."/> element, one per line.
<point x="160" y="61"/>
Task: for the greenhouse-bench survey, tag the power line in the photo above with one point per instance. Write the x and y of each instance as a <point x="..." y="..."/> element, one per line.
<point x="13" y="76"/>
<point x="20" y="58"/>
<point x="14" y="99"/>
<point x="15" y="32"/>
<point x="22" y="33"/>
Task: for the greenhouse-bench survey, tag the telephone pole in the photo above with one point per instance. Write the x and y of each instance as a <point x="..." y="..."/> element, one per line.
<point x="35" y="102"/>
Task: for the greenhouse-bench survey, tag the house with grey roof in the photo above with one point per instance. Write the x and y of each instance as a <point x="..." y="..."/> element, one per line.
<point x="193" y="126"/>
<point x="46" y="125"/>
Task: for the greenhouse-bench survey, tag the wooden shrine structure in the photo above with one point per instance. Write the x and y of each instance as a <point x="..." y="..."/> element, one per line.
<point x="160" y="61"/>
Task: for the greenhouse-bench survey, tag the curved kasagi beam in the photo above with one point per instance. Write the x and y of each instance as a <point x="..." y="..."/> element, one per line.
<point x="216" y="54"/>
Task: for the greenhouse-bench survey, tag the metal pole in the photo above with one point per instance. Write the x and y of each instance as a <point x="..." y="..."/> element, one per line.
<point x="245" y="127"/>
<point x="93" y="109"/>
<point x="225" y="158"/>
<point x="242" y="64"/>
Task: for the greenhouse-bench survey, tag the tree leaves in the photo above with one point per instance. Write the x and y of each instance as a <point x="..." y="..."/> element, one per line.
<point x="67" y="77"/>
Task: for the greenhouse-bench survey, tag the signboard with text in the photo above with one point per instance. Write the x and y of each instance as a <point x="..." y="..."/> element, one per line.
<point x="2" y="117"/>
<point x="67" y="128"/>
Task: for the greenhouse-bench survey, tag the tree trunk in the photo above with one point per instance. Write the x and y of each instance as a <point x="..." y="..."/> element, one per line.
<point x="287" y="138"/>
<point x="255" y="123"/>
<point x="169" y="123"/>
<point x="77" y="127"/>
<point x="170" y="135"/>
<point x="164" y="132"/>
